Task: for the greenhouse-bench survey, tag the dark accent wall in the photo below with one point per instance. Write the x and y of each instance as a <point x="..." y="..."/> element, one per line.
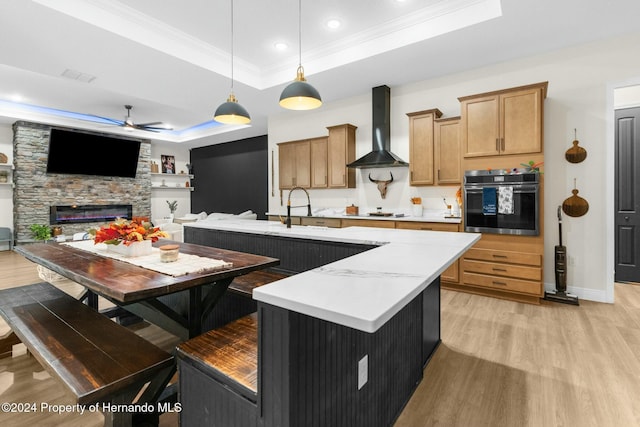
<point x="231" y="177"/>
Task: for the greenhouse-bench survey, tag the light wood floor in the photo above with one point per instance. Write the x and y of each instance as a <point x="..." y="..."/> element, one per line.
<point x="500" y="364"/>
<point x="23" y="380"/>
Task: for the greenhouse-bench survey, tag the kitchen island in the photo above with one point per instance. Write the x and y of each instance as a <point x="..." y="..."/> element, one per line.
<point x="344" y="341"/>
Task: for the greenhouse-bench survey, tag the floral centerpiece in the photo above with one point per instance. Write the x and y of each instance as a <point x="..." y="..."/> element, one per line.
<point x="128" y="238"/>
<point x="126" y="232"/>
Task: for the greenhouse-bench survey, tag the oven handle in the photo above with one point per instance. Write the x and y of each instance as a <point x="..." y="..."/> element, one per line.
<point x="516" y="188"/>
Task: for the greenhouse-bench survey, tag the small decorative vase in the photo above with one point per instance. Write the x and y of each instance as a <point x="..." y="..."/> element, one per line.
<point x="133" y="250"/>
<point x="416" y="210"/>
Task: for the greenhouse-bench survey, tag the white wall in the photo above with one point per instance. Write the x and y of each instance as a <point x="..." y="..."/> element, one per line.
<point x="6" y="191"/>
<point x="159" y="206"/>
<point x="581" y="81"/>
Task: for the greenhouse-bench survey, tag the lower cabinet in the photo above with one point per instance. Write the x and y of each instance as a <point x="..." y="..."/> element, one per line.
<point x="489" y="269"/>
<point x="320" y="221"/>
<point x="368" y="223"/>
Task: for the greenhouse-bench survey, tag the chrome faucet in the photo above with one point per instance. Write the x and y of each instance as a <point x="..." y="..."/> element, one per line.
<point x="289" y="204"/>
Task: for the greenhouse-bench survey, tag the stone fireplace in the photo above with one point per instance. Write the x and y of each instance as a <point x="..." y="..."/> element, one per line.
<point x="36" y="191"/>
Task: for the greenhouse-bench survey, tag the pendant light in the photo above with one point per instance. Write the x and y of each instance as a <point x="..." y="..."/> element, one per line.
<point x="300" y="95"/>
<point x="231" y="112"/>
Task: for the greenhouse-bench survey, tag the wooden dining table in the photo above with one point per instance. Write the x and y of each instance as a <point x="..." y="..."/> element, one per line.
<point x="141" y="290"/>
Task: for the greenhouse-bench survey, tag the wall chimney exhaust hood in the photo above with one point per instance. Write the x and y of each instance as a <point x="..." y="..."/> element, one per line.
<point x="381" y="155"/>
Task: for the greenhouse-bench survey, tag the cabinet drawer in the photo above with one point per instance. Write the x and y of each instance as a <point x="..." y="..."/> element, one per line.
<point x="506" y="284"/>
<point x="295" y="220"/>
<point x="508" y="257"/>
<point x="505" y="270"/>
<point x="368" y="223"/>
<point x="320" y="222"/>
<point x="435" y="226"/>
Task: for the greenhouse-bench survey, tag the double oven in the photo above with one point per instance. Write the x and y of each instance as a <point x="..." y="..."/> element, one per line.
<point x="502" y="202"/>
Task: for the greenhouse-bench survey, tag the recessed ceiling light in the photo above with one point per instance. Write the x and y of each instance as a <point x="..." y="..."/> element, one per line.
<point x="281" y="46"/>
<point x="333" y="24"/>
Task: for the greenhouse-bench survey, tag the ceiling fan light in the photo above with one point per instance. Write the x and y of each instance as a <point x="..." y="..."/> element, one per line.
<point x="232" y="113"/>
<point x="300" y="95"/>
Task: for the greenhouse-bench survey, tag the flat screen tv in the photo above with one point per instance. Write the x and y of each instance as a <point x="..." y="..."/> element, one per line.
<point x="82" y="153"/>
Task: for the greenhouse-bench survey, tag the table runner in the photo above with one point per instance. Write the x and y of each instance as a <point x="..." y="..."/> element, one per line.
<point x="186" y="263"/>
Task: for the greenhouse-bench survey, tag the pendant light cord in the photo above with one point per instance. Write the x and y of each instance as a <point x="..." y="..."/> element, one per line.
<point x="299" y="33"/>
<point x="231" y="46"/>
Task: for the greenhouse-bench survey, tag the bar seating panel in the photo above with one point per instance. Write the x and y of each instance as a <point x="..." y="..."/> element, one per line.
<point x="245" y="284"/>
<point x="228" y="354"/>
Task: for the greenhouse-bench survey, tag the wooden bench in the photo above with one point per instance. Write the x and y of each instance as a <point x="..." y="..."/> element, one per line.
<point x="98" y="360"/>
<point x="218" y="373"/>
<point x="245" y="284"/>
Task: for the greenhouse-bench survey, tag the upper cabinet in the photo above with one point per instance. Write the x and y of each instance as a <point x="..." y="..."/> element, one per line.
<point x="341" y="152"/>
<point x="318" y="150"/>
<point x="447" y="151"/>
<point x="504" y="122"/>
<point x="319" y="162"/>
<point x="295" y="164"/>
<point x="421" y="147"/>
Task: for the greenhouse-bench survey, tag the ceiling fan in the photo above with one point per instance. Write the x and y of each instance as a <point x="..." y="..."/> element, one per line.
<point x="129" y="123"/>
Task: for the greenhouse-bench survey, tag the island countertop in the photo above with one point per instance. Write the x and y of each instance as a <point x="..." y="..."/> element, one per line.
<point x="365" y="290"/>
<point x="431" y="215"/>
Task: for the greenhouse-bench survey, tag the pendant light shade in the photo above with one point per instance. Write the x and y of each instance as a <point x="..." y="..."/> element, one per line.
<point x="300" y="95"/>
<point x="231" y="112"/>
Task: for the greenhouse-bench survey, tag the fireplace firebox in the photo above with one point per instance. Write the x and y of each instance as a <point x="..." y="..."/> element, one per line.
<point x="88" y="213"/>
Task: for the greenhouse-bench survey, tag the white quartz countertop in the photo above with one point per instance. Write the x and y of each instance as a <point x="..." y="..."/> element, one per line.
<point x="427" y="216"/>
<point x="365" y="290"/>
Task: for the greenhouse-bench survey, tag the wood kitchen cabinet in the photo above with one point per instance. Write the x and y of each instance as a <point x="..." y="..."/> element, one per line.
<point x="507" y="267"/>
<point x="447" y="151"/>
<point x="421" y="146"/>
<point x="318" y="221"/>
<point x="379" y="223"/>
<point x="295" y="164"/>
<point x="341" y="148"/>
<point x="319" y="162"/>
<point x="318" y="150"/>
<point x="504" y="122"/>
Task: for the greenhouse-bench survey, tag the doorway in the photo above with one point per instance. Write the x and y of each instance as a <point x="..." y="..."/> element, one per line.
<point x="627" y="194"/>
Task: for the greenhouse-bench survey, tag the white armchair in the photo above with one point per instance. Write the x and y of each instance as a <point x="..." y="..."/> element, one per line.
<point x="175" y="231"/>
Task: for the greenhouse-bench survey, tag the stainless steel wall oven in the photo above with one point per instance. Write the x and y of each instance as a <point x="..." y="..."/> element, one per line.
<point x="502" y="203"/>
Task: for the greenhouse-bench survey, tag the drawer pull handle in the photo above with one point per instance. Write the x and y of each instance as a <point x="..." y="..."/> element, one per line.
<point x="426" y="228"/>
<point x="499" y="269"/>
<point x="499" y="256"/>
<point x="499" y="283"/>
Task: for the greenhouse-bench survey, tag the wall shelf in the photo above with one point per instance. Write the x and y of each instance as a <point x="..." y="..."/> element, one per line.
<point x="171" y="181"/>
<point x="168" y="187"/>
<point x="173" y="175"/>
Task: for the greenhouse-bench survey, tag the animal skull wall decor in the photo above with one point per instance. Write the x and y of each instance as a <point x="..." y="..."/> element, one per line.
<point x="382" y="185"/>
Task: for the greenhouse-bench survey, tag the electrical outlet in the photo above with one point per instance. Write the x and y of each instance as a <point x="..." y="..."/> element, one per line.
<point x="363" y="371"/>
<point x="572" y="260"/>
